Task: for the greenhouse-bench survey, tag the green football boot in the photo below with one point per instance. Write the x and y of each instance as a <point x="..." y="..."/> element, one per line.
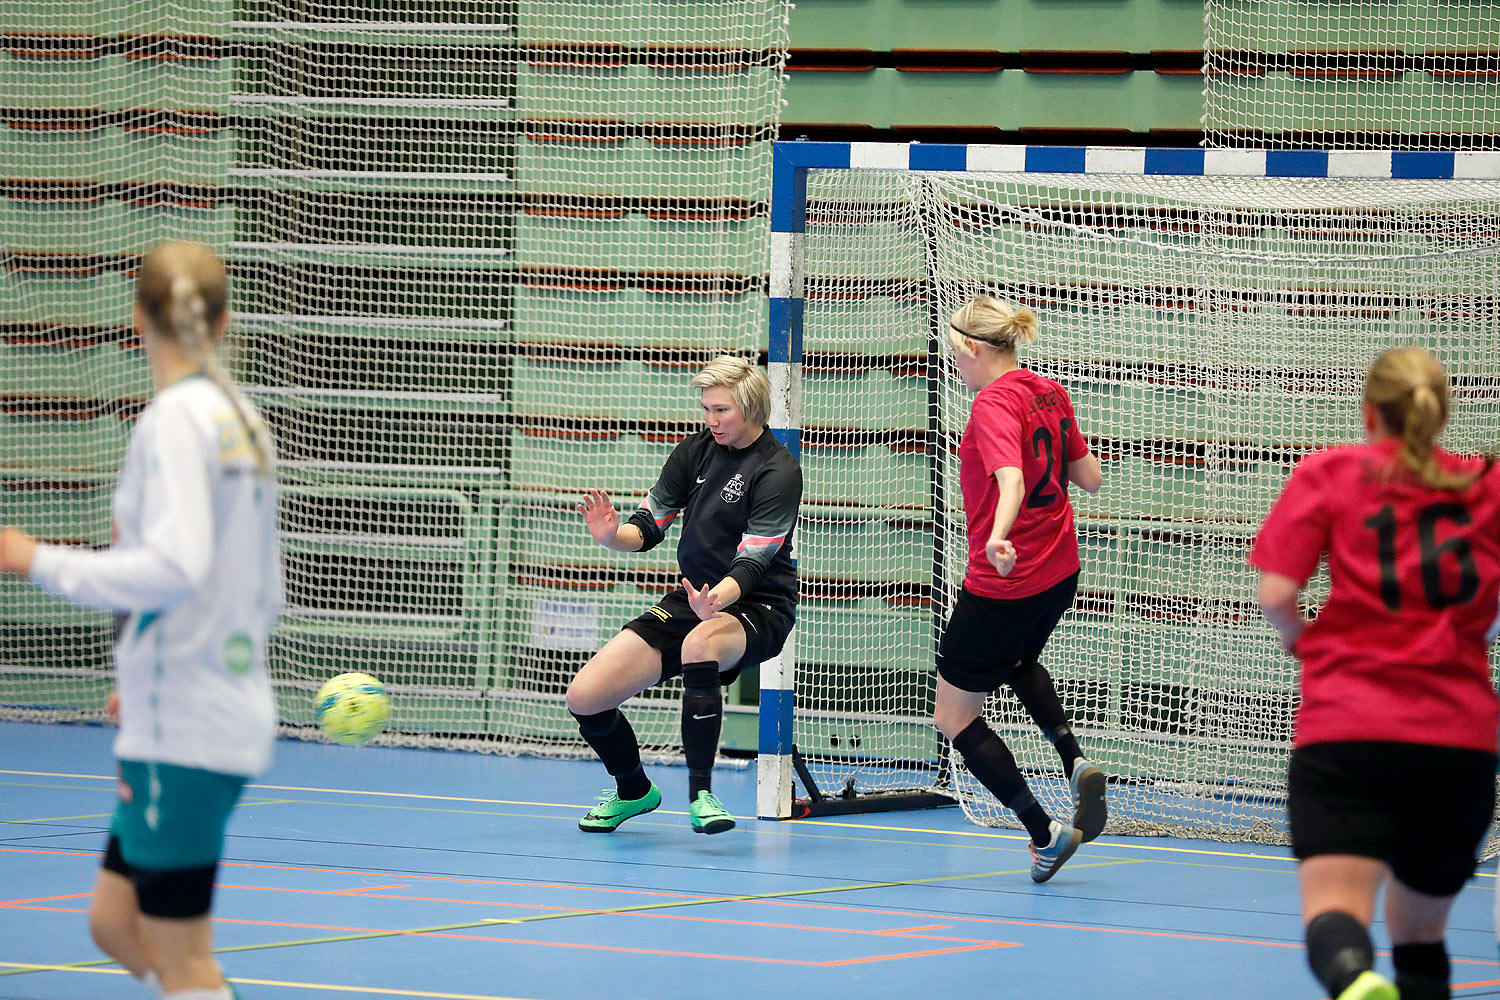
<point x="709" y="814"/>
<point x="611" y="810"/>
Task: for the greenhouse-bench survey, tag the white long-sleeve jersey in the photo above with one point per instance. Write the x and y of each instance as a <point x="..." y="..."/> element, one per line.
<point x="196" y="565"/>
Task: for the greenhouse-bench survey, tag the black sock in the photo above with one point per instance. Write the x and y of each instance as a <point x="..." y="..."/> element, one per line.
<point x="1033" y="817"/>
<point x="1034" y="690"/>
<point x="613" y="739"/>
<point x="990" y="760"/>
<point x="702" y="719"/>
<point x="1338" y="949"/>
<point x="1422" y="971"/>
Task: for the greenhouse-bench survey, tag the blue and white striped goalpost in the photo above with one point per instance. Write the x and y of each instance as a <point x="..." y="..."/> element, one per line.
<point x="788" y="209"/>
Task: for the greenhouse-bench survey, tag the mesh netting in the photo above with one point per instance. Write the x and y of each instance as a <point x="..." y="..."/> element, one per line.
<point x="1210" y="332"/>
<point x="477" y="249"/>
<point x="1406" y="75"/>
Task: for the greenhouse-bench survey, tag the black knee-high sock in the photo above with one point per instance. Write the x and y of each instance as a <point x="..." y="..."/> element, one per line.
<point x="1035" y="691"/>
<point x="990" y="760"/>
<point x="702" y="719"/>
<point x="1422" y="971"/>
<point x="1338" y="949"/>
<point x="613" y="739"/>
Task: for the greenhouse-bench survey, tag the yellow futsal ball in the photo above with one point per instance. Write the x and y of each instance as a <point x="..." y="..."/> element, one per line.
<point x="353" y="709"/>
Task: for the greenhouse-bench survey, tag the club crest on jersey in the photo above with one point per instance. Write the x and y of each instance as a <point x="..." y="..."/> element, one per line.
<point x="734" y="489"/>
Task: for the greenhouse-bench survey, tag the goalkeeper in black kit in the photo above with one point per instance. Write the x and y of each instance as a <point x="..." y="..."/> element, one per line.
<point x="737" y="488"/>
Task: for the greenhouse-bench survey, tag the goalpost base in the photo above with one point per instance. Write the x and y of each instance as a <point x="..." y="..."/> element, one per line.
<point x="850" y="801"/>
<point x="877" y="802"/>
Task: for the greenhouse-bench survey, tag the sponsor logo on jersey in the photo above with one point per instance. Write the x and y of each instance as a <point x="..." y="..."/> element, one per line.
<point x="1046" y="400"/>
<point x="734" y="489"/>
<point x="239" y="653"/>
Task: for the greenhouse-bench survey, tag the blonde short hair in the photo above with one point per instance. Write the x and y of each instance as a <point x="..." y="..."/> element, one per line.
<point x="995" y="322"/>
<point x="747" y="384"/>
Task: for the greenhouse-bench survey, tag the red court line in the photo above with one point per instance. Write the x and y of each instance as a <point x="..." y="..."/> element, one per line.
<point x="44" y="899"/>
<point x="420" y="878"/>
<point x="732" y="958"/>
<point x="858" y="932"/>
<point x="796" y="927"/>
<point x="915" y="954"/>
<point x="1046" y="924"/>
<point x="370" y="894"/>
<point x="1168" y="935"/>
<point x="470" y="881"/>
<point x="448" y="935"/>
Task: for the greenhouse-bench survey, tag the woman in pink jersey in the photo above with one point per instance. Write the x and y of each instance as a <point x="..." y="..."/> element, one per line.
<point x="1020" y="450"/>
<point x="1392" y="774"/>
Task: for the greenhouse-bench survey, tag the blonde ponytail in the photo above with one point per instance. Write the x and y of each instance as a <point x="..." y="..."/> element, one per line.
<point x="1409" y="389"/>
<point x="183" y="289"/>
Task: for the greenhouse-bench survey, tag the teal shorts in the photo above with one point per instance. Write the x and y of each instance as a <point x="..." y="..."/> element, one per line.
<point x="169" y="818"/>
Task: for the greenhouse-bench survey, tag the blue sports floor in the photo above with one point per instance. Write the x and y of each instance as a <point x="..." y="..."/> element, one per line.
<point x="410" y="873"/>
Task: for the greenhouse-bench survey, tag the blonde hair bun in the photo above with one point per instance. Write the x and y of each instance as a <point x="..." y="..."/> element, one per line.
<point x="996" y="322"/>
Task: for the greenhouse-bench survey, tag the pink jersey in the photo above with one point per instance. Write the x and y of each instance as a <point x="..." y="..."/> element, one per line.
<point x="1398" y="651"/>
<point x="1021" y="420"/>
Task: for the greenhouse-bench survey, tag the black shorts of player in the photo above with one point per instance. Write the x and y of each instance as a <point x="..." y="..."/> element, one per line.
<point x="1423" y="810"/>
<point x="988" y="637"/>
<point x="173" y="895"/>
<point x="669" y="621"/>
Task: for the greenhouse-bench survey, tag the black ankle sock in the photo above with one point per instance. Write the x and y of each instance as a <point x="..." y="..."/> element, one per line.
<point x="1034" y="818"/>
<point x="1067" y="746"/>
<point x="990" y="760"/>
<point x="633" y="785"/>
<point x="613" y="739"/>
<point x="1422" y="971"/>
<point x="1338" y="949"/>
<point x="702" y="720"/>
<point x="1034" y="690"/>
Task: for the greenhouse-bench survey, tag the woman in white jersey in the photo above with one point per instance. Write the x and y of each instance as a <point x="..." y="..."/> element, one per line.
<point x="196" y="570"/>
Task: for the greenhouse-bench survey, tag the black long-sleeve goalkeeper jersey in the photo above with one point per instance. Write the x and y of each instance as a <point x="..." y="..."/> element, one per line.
<point x="741" y="509"/>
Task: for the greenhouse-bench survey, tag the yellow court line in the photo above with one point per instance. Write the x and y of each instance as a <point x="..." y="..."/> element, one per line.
<point x="76" y="967"/>
<point x="381" y="991"/>
<point x="540" y="917"/>
<point x="342" y="791"/>
<point x="1021" y="836"/>
<point x="807" y="822"/>
<point x="1117" y="843"/>
<point x="56" y="819"/>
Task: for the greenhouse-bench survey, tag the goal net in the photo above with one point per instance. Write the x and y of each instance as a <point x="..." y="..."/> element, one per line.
<point x="1211" y="328"/>
<point x="1397" y="75"/>
<point x="477" y="249"/>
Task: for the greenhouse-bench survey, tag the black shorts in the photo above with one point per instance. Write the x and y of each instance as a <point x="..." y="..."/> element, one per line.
<point x="987" y="637"/>
<point x="179" y="894"/>
<point x="669" y="621"/>
<point x="1423" y="810"/>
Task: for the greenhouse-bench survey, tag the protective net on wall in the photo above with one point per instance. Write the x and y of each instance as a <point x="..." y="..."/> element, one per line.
<point x="1295" y="74"/>
<point x="477" y="248"/>
<point x="1210" y="331"/>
